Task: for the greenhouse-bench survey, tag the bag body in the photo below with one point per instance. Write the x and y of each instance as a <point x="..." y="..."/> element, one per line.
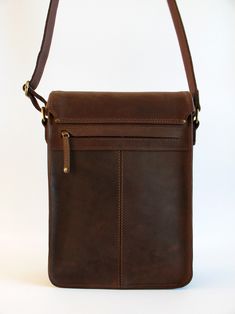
<point x="122" y="216"/>
<point x="120" y="183"/>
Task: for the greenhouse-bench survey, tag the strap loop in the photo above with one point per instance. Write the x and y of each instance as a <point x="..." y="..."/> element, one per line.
<point x="29" y="92"/>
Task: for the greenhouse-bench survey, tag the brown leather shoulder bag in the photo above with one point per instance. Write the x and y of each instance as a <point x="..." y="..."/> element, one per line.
<point x="120" y="180"/>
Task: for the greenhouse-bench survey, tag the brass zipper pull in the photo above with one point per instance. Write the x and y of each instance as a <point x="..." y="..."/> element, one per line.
<point x="66" y="145"/>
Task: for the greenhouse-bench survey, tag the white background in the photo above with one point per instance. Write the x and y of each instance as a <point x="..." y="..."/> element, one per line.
<point x="125" y="45"/>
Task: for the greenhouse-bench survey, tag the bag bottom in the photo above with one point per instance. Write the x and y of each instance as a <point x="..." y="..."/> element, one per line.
<point x="159" y="286"/>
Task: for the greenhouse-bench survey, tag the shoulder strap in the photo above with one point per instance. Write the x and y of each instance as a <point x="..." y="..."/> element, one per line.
<point x="31" y="85"/>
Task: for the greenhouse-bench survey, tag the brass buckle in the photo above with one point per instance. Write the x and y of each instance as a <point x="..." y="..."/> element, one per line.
<point x="26" y="88"/>
<point x="196" y="118"/>
<point x="198" y="108"/>
<point x="44" y="116"/>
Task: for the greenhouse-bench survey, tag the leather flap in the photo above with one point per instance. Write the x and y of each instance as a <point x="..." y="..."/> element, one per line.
<point x="130" y="107"/>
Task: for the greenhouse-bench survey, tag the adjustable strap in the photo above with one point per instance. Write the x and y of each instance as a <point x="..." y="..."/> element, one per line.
<point x="30" y="86"/>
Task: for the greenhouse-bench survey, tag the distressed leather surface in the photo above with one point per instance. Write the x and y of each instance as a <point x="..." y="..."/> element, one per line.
<point x="123" y="106"/>
<point x="122" y="217"/>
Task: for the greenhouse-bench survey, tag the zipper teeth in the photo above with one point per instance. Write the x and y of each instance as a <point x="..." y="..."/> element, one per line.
<point x="125" y="137"/>
<point x="121" y="121"/>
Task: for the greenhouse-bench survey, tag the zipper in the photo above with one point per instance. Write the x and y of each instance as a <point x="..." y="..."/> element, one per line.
<point x="66" y="145"/>
<point x="170" y="121"/>
<point x="94" y="132"/>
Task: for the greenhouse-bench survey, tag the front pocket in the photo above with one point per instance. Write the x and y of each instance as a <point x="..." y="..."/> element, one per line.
<point x="140" y="137"/>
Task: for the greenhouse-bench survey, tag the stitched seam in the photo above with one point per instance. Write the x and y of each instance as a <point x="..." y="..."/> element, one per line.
<point x="118" y="220"/>
<point x="111" y="286"/>
<point x="173" y="149"/>
<point x="147" y="126"/>
<point x="124" y="120"/>
<point x="132" y="141"/>
<point x="121" y="220"/>
<point x="189" y="175"/>
<point x="86" y="285"/>
<point x="125" y="138"/>
<point x="133" y="148"/>
<point x="156" y="284"/>
<point x="129" y="142"/>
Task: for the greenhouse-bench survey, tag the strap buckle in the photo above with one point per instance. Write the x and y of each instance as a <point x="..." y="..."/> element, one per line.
<point x="198" y="109"/>
<point x="44" y="115"/>
<point x="26" y="87"/>
<point x="196" y="118"/>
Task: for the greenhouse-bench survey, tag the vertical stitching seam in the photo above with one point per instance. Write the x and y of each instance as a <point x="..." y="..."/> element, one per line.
<point x="121" y="218"/>
<point x="118" y="220"/>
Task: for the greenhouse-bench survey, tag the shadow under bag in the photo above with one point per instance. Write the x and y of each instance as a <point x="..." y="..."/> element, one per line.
<point x="120" y="180"/>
